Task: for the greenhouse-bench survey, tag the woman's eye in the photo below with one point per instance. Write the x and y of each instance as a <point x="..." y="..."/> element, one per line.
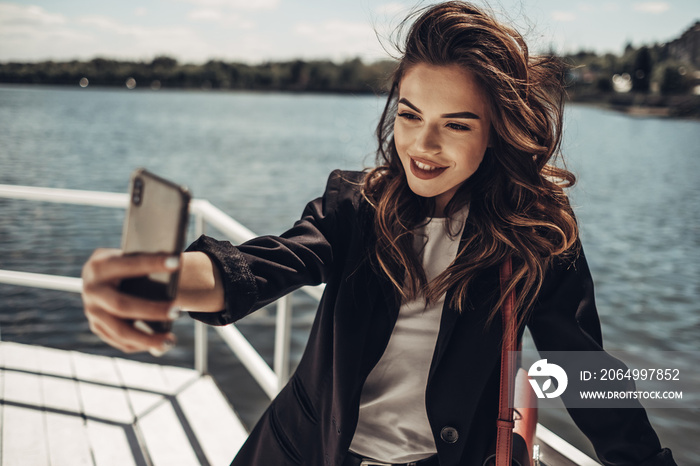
<point x="408" y="116"/>
<point x="458" y="127"/>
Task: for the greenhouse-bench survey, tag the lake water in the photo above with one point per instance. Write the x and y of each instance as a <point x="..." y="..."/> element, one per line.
<point x="261" y="156"/>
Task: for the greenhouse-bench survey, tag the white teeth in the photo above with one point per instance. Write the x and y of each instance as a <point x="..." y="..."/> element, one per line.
<point x="424" y="166"/>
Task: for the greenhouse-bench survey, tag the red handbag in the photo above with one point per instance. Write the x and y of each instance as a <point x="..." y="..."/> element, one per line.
<point x="515" y="438"/>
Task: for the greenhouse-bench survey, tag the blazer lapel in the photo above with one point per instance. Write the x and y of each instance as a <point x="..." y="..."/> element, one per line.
<point x="473" y="317"/>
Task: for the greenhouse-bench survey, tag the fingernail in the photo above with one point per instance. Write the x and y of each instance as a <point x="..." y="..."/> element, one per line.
<point x="165" y="347"/>
<point x="143" y="326"/>
<point x="172" y="262"/>
<point x="174" y="313"/>
<point x="158" y="352"/>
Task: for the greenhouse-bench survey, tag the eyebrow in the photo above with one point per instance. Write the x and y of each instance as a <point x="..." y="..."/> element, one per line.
<point x="470" y="115"/>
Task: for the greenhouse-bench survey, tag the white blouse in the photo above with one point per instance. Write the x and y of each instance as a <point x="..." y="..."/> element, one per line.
<point x="393" y="425"/>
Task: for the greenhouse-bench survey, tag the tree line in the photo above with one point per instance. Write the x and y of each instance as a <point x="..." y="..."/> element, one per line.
<point x="645" y="70"/>
<point x="663" y="79"/>
<point x="166" y="72"/>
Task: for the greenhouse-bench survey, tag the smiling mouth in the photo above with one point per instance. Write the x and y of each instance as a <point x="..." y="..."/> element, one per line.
<point x="425" y="171"/>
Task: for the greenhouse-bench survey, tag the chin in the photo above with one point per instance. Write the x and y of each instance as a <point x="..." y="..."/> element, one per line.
<point x="422" y="191"/>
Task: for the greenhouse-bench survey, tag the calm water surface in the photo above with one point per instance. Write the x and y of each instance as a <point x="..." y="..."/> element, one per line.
<point x="260" y="157"/>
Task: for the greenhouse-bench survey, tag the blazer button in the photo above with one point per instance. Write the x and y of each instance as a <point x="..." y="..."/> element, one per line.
<point x="449" y="434"/>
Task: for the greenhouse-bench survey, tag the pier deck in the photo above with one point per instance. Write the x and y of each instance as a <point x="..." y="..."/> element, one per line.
<point x="69" y="408"/>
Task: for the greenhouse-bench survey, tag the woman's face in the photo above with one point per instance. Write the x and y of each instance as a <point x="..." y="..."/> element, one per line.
<point x="441" y="130"/>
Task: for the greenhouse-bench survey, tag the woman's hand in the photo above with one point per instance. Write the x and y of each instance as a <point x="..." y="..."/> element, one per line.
<point x="111" y="313"/>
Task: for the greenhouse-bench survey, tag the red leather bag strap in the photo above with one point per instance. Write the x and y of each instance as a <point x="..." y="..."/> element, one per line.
<point x="504" y="437"/>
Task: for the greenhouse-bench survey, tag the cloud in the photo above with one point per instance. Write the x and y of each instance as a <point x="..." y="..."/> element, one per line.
<point x="610" y="7"/>
<point x="338" y="39"/>
<point x="652" y="7"/>
<point x="140" y="11"/>
<point x="13" y="14"/>
<point x="29" y="33"/>
<point x="563" y="16"/>
<point x="149" y="36"/>
<point x="104" y="23"/>
<point x="334" y="30"/>
<point x="392" y="8"/>
<point x="236" y="4"/>
<point x="211" y="15"/>
<point x="205" y="15"/>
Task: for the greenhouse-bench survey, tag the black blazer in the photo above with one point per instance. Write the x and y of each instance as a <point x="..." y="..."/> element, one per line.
<point x="313" y="419"/>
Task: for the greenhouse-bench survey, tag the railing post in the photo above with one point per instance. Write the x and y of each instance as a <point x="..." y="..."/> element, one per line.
<point x="283" y="329"/>
<point x="200" y="330"/>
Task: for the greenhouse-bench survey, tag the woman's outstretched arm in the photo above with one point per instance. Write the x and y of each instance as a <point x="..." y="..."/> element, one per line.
<point x="111" y="313"/>
<point x="200" y="286"/>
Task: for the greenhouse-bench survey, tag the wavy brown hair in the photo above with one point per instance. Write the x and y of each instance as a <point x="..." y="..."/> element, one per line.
<point x="517" y="205"/>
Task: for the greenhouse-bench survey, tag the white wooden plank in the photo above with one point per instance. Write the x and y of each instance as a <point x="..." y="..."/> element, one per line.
<point x="105" y="403"/>
<point x="219" y="431"/>
<point x="100" y="389"/>
<point x="163" y="435"/>
<point x="55" y="362"/>
<point x="58" y="386"/>
<point x="110" y="446"/>
<point x="24" y="388"/>
<point x="93" y="368"/>
<point x="144" y="383"/>
<point x="109" y="392"/>
<point x="178" y="377"/>
<point x="20" y="357"/>
<point x="66" y="437"/>
<point x="67" y="440"/>
<point x="27" y="364"/>
<point x="61" y="394"/>
<point x="24" y="439"/>
<point x="142" y="403"/>
<point x="141" y="375"/>
<point x="165" y="438"/>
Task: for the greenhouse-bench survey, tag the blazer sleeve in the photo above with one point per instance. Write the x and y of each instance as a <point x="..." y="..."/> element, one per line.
<point x="566" y="319"/>
<point x="266" y="268"/>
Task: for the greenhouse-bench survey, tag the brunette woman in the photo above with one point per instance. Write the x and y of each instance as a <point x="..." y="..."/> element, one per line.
<point x="402" y="363"/>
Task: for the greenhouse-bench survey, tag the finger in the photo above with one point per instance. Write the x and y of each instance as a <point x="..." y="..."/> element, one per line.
<point x="124" y="336"/>
<point x="125" y="306"/>
<point x="107" y="265"/>
<point x="106" y="335"/>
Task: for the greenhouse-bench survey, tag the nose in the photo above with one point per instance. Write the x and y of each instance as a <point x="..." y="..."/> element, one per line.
<point x="428" y="140"/>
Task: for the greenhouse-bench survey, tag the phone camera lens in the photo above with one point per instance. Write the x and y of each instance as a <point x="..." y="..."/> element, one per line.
<point x="137" y="194"/>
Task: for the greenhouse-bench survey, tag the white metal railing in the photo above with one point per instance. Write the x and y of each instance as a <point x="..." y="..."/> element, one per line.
<point x="204" y="213"/>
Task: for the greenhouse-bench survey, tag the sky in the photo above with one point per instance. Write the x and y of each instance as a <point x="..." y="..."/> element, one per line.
<point x="254" y="31"/>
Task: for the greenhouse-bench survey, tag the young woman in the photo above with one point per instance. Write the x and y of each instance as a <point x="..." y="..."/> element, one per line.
<point x="402" y="364"/>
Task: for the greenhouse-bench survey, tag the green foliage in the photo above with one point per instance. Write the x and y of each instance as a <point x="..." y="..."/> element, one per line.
<point x="674" y="78"/>
<point x="604" y="84"/>
<point x="641" y="76"/>
<point x="165" y="72"/>
<point x="649" y="67"/>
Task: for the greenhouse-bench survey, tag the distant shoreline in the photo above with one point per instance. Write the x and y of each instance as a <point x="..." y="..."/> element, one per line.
<point x="643" y="105"/>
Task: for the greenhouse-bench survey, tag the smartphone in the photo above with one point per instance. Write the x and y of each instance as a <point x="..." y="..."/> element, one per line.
<point x="155" y="223"/>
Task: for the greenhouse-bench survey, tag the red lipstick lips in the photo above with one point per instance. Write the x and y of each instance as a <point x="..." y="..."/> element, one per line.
<point x="420" y="169"/>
